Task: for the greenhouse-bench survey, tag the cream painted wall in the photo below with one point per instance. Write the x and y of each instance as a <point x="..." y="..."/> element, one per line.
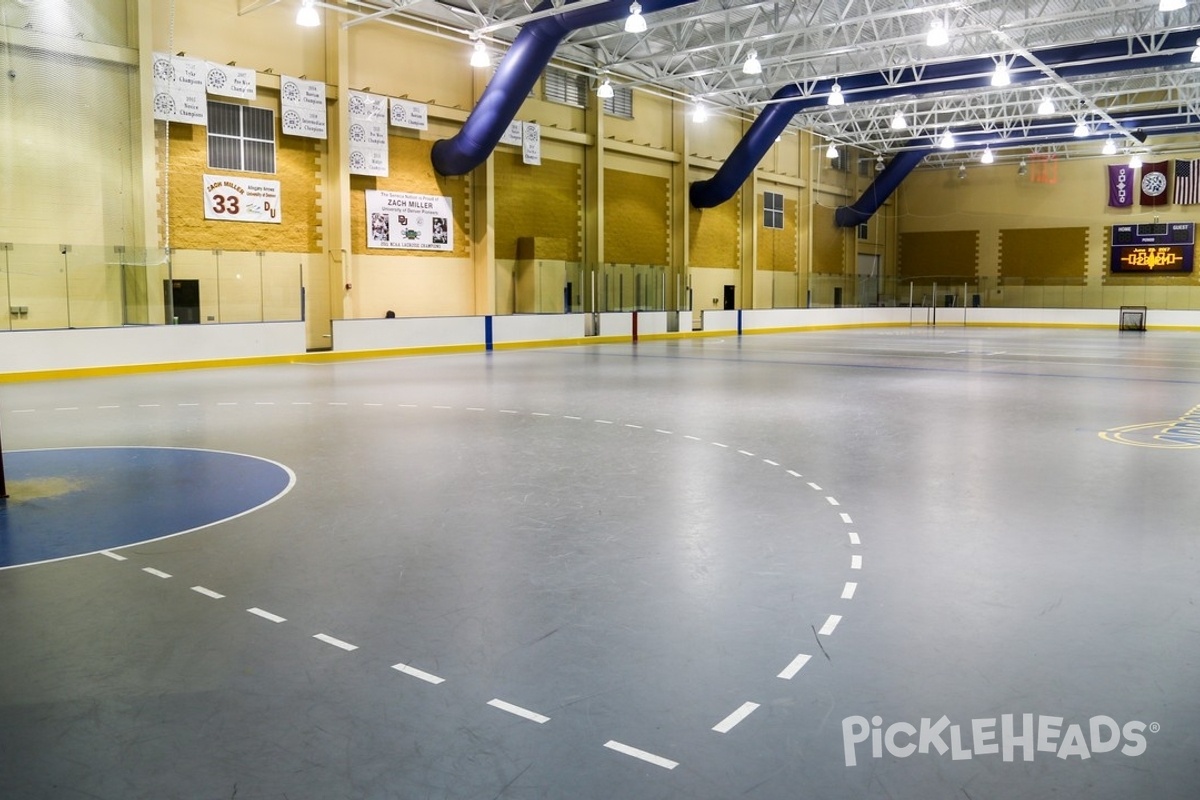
<point x="994" y="198"/>
<point x="651" y="124"/>
<point x="265" y="40"/>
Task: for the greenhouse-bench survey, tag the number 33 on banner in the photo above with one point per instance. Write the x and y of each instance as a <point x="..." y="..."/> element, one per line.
<point x="237" y="199"/>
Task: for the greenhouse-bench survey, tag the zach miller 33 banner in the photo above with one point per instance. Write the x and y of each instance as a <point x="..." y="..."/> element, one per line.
<point x="1156" y="182"/>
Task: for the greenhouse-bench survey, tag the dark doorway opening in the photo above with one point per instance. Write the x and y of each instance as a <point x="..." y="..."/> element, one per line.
<point x="183" y="296"/>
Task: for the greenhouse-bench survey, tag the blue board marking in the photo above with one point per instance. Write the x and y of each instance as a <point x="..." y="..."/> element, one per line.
<point x="75" y="501"/>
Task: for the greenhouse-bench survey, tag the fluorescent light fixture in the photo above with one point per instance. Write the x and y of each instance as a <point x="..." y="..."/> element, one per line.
<point x="699" y="113"/>
<point x="480" y="57"/>
<point x="947" y="140"/>
<point x="1171" y="5"/>
<point x="635" y="22"/>
<point x="1001" y="77"/>
<point x="1135" y="161"/>
<point x="307" y="16"/>
<point x="879" y="163"/>
<point x="1082" y="131"/>
<point x="987" y="157"/>
<point x="899" y="122"/>
<point x="962" y="171"/>
<point x="835" y="95"/>
<point x="1046" y="107"/>
<point x="1023" y="167"/>
<point x="937" y="34"/>
<point x="1110" y="147"/>
<point x="752" y="66"/>
<point x="605" y="90"/>
<point x="832" y="152"/>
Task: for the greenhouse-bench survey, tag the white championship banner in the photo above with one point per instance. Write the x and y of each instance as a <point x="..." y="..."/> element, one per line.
<point x="227" y="80"/>
<point x="180" y="89"/>
<point x="406" y="114"/>
<point x="399" y="221"/>
<point x="303" y="105"/>
<point x="368" y="134"/>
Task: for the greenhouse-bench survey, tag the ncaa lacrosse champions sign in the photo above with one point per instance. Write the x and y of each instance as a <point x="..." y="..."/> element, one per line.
<point x="398" y="221"/>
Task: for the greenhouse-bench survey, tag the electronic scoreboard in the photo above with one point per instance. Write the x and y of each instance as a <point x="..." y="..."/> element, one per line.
<point x="1153" y="247"/>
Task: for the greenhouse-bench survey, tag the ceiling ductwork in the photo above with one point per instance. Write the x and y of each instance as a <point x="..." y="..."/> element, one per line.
<point x="1074" y="61"/>
<point x="516" y="75"/>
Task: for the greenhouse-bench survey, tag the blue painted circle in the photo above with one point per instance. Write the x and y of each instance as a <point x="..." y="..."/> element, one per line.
<point x="74" y="501"/>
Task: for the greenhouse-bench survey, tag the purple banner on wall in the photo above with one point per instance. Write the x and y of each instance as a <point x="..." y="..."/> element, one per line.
<point x="1120" y="185"/>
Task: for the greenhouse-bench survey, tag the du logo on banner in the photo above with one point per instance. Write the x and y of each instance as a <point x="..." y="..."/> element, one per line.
<point x="1120" y="185"/>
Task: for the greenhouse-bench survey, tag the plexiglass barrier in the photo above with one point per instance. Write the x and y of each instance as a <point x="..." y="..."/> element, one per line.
<point x="79" y="286"/>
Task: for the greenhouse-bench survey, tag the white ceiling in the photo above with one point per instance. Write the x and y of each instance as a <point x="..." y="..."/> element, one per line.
<point x="696" y="51"/>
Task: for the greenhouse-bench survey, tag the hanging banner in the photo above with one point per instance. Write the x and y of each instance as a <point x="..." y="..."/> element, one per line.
<point x="531" y="143"/>
<point x="238" y="199"/>
<point x="368" y="134"/>
<point x="514" y="134"/>
<point x="179" y="89"/>
<point x="227" y="80"/>
<point x="398" y="221"/>
<point x="1155" y="184"/>
<point x="1120" y="185"/>
<point x="303" y="106"/>
<point x="1187" y="182"/>
<point x="405" y="114"/>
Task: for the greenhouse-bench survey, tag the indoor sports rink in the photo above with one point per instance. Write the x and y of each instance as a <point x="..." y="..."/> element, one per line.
<point x="895" y="562"/>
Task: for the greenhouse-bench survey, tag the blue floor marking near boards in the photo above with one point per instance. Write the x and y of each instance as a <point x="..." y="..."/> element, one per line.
<point x="81" y="500"/>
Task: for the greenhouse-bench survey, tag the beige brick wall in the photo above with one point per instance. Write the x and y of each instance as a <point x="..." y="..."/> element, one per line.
<point x="635" y="218"/>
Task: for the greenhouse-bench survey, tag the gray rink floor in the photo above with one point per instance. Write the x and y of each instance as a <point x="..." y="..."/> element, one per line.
<point x="561" y="569"/>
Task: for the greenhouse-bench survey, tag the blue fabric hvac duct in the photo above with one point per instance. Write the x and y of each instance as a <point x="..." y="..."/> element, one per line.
<point x="1057" y="131"/>
<point x="514" y="79"/>
<point x="1113" y="55"/>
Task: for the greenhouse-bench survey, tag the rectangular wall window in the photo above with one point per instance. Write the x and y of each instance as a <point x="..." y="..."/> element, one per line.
<point x="864" y="232"/>
<point x="560" y="86"/>
<point x="773" y="210"/>
<point x="241" y="138"/>
<point x="621" y="103"/>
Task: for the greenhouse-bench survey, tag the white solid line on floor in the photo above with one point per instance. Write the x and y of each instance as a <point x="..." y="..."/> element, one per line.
<point x="772" y="463"/>
<point x="832" y="501"/>
<point x="855" y="562"/>
<point x="718" y="444"/>
<point x="848" y="590"/>
<point x="603" y="421"/>
<point x="846" y="519"/>
<point x="854" y="538"/>
<point x="258" y="612"/>
<point x="327" y="639"/>
<point x="524" y="713"/>
<point x="113" y="556"/>
<point x="416" y="673"/>
<point x="791" y="669"/>
<point x="814" y="487"/>
<point x="649" y="758"/>
<point x="830" y="624"/>
<point x="107" y="407"/>
<point x="730" y="722"/>
<point x="158" y="573"/>
<point x="208" y="593"/>
<point x="631" y="425"/>
<point x="746" y="452"/>
<point x="794" y="474"/>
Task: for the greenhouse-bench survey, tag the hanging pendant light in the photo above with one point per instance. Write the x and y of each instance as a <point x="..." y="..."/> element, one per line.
<point x="635" y="22"/>
<point x="307" y="16"/>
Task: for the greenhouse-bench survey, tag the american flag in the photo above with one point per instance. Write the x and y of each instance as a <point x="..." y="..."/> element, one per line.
<point x="1187" y="182"/>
